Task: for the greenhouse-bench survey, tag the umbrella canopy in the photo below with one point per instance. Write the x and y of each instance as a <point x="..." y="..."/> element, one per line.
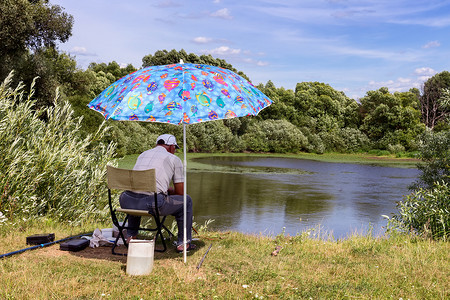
<point x="180" y="94"/>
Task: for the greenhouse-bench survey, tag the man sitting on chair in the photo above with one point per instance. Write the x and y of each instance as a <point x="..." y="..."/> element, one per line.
<point x="168" y="168"/>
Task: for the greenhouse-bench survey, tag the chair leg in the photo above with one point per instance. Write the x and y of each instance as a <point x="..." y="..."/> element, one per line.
<point x="121" y="235"/>
<point x="159" y="226"/>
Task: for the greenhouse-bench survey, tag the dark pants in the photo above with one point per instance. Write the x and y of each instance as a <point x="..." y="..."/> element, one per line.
<point x="168" y="205"/>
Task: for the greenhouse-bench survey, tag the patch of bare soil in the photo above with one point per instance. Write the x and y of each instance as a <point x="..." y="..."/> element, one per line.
<point x="392" y="159"/>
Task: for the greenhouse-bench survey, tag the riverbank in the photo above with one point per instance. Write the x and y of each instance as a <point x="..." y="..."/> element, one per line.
<point x="356" y="158"/>
<point x="238" y="266"/>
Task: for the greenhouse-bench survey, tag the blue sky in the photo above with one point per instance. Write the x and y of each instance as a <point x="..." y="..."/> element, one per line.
<point x="353" y="45"/>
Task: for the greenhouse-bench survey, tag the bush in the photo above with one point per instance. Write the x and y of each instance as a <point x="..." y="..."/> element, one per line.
<point x="278" y="136"/>
<point x="354" y="140"/>
<point x="132" y="137"/>
<point x="435" y="154"/>
<point x="315" y="143"/>
<point x="332" y="141"/>
<point x="426" y="212"/>
<point x="397" y="148"/>
<point x="346" y="140"/>
<point x="47" y="169"/>
<point x="210" y="137"/>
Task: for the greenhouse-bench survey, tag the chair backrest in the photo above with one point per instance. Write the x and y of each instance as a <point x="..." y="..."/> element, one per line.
<point x="133" y="180"/>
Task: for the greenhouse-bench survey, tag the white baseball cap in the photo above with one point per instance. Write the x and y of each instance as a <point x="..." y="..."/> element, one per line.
<point x="168" y="140"/>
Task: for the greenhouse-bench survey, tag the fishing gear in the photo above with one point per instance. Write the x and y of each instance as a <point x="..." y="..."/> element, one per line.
<point x="43" y="245"/>
<point x="200" y="264"/>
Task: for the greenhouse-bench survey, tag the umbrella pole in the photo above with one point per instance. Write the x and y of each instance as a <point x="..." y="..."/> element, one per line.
<point x="184" y="193"/>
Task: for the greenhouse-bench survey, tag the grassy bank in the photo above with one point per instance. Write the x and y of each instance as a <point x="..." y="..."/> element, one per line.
<point x="357" y="158"/>
<point x="237" y="267"/>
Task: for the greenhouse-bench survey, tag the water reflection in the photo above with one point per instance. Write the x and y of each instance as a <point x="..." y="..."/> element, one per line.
<point x="266" y="194"/>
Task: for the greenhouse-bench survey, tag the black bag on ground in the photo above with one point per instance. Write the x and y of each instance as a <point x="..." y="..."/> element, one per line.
<point x="38" y="239"/>
<point x="74" y="245"/>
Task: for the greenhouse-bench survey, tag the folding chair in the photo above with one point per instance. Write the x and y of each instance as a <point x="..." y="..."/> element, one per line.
<point x="123" y="179"/>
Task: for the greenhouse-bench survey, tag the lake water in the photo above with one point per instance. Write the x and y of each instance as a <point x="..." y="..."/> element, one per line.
<point x="266" y="195"/>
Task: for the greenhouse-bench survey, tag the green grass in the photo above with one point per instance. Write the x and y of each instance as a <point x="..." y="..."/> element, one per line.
<point x="238" y="266"/>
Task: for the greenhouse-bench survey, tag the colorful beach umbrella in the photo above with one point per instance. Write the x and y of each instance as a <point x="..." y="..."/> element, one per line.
<point x="181" y="93"/>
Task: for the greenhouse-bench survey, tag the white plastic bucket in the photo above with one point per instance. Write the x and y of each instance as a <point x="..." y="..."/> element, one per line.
<point x="140" y="257"/>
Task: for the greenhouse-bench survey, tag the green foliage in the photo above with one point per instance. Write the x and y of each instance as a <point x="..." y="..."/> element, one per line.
<point x="434" y="105"/>
<point x="426" y="212"/>
<point x="31" y="24"/>
<point x="274" y="136"/>
<point x="164" y="57"/>
<point x="85" y="86"/>
<point x="390" y="119"/>
<point x="315" y="143"/>
<point x="212" y="137"/>
<point x="345" y="140"/>
<point x="132" y="137"/>
<point x="435" y="154"/>
<point x="397" y="148"/>
<point x="46" y="168"/>
<point x="112" y="70"/>
<point x="53" y="69"/>
<point x="324" y="108"/>
<point x="28" y="31"/>
<point x="321" y="113"/>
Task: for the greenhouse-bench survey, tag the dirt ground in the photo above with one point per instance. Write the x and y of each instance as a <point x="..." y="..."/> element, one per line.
<point x="105" y="252"/>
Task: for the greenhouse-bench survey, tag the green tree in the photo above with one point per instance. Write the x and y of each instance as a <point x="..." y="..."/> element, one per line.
<point x="164" y="57"/>
<point x="323" y="108"/>
<point x="112" y="68"/>
<point x="435" y="155"/>
<point x="278" y="136"/>
<point x="29" y="31"/>
<point x="432" y="102"/>
<point x="30" y="25"/>
<point x="282" y="106"/>
<point x="211" y="137"/>
<point x="84" y="86"/>
<point x="390" y="119"/>
<point x="52" y="69"/>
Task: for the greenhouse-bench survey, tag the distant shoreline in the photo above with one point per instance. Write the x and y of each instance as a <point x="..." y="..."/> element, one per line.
<point x="355" y="158"/>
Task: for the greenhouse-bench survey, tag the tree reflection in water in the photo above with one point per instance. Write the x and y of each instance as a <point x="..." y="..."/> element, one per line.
<point x="263" y="195"/>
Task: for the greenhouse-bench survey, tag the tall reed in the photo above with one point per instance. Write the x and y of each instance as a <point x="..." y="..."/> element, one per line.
<point x="47" y="169"/>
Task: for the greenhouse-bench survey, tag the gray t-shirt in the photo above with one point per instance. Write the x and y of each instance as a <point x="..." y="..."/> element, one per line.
<point x="168" y="167"/>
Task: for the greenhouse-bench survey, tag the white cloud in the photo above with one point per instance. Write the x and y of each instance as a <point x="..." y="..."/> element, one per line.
<point x="252" y="61"/>
<point x="82" y="51"/>
<point x="236" y="55"/>
<point x="402" y="84"/>
<point x="398" y="85"/>
<point x="432" y="44"/>
<point x="223" y="50"/>
<point x="202" y="40"/>
<point x="425" y="71"/>
<point x="223" y="13"/>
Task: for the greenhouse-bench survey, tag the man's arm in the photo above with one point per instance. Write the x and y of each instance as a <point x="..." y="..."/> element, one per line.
<point x="178" y="189"/>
